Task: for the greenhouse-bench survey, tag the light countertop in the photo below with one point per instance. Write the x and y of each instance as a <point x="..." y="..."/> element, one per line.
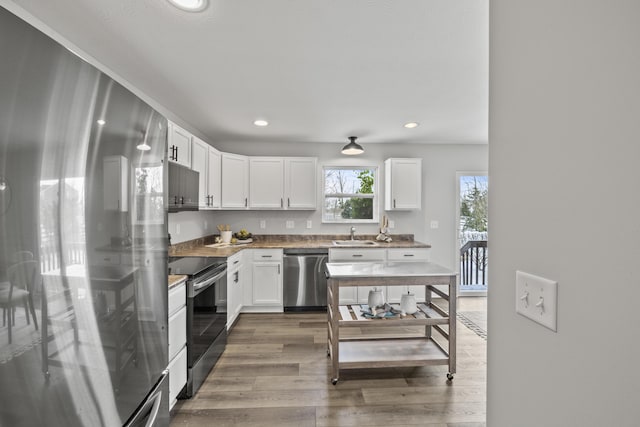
<point x="176" y="279"/>
<point x="386" y="269"/>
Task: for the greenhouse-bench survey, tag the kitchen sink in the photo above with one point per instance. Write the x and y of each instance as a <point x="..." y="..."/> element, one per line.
<point x="354" y="243"/>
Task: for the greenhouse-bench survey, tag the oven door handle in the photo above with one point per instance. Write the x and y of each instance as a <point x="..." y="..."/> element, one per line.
<point x="201" y="286"/>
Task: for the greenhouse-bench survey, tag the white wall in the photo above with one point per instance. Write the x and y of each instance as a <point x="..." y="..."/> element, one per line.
<point x="564" y="150"/>
<point x="440" y="163"/>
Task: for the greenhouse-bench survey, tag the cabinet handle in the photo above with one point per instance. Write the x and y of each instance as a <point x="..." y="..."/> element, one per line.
<point x="357" y="255"/>
<point x="237" y="276"/>
<point x="267" y="256"/>
<point x="281" y="203"/>
<point x="288" y="202"/>
<point x="182" y="200"/>
<point x="408" y="254"/>
<point x="176" y="153"/>
<point x="245" y="202"/>
<point x="235" y="262"/>
<point x="175" y="200"/>
<point x="394" y="203"/>
<point x="278" y="268"/>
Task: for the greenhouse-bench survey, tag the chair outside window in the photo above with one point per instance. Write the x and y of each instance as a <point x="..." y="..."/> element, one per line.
<point x="22" y="281"/>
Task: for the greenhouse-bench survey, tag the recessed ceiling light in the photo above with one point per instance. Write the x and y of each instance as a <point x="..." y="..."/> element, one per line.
<point x="101" y="122"/>
<point x="261" y="123"/>
<point x="190" y="5"/>
<point x="411" y="125"/>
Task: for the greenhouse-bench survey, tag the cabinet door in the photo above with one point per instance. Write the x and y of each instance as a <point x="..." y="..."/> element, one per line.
<point x="199" y="157"/>
<point x="214" y="178"/>
<point x="179" y="146"/>
<point x="300" y="177"/>
<point x="267" y="283"/>
<point x="266" y="183"/>
<point x="403" y="184"/>
<point x="234" y="295"/>
<point x="235" y="181"/>
<point x="116" y="183"/>
<point x="407" y="255"/>
<point x="352" y="294"/>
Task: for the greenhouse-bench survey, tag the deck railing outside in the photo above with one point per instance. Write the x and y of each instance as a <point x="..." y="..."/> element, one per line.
<point x="473" y="263"/>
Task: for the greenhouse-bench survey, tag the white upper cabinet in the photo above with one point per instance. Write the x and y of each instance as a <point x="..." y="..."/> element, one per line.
<point x="266" y="182"/>
<point x="199" y="162"/>
<point x="214" y="179"/>
<point x="300" y="175"/>
<point x="403" y="184"/>
<point x="116" y="183"/>
<point x="235" y="181"/>
<point x="206" y="160"/>
<point x="179" y="145"/>
<point x="282" y="182"/>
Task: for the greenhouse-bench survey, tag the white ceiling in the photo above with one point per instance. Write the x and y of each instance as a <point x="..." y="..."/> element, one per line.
<point x="318" y="70"/>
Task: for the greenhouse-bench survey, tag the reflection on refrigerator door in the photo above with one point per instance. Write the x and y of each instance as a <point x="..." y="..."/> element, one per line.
<point x="83" y="253"/>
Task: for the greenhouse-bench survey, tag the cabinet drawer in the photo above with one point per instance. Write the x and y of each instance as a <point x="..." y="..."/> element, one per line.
<point x="410" y="254"/>
<point x="234" y="261"/>
<point x="108" y="259"/>
<point x="267" y="255"/>
<point x="177" y="298"/>
<point x="177" y="332"/>
<point x="177" y="375"/>
<point x="357" y="255"/>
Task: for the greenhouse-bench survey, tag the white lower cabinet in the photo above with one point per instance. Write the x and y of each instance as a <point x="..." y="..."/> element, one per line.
<point x="263" y="285"/>
<point x="177" y="341"/>
<point x="407" y="255"/>
<point x="235" y="285"/>
<point x="352" y="294"/>
<point x="267" y="277"/>
<point x="177" y="375"/>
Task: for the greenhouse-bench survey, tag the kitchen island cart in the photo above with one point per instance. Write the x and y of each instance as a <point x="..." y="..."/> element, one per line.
<point x="437" y="346"/>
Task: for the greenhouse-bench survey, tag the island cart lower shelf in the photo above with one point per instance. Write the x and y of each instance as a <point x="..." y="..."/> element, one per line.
<point x="436" y="346"/>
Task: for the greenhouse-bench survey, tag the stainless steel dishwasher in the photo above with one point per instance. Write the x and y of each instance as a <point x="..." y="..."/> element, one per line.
<point x="305" y="284"/>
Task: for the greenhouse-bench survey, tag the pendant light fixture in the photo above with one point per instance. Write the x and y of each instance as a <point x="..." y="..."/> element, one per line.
<point x="353" y="147"/>
<point x="143" y="146"/>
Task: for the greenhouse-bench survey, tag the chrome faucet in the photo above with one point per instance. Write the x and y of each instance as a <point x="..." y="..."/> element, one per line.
<point x="353" y="233"/>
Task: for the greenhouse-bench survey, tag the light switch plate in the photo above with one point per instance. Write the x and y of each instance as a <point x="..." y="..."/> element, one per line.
<point x="537" y="299"/>
<point x="309" y="224"/>
<point x="290" y="224"/>
<point x="434" y="224"/>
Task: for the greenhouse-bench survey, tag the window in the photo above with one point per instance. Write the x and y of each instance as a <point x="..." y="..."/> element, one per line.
<point x="350" y="194"/>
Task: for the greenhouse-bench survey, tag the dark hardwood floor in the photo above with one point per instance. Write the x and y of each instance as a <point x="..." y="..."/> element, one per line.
<point x="275" y="372"/>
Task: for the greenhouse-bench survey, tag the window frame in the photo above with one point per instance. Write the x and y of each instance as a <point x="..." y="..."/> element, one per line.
<point x="375" y="195"/>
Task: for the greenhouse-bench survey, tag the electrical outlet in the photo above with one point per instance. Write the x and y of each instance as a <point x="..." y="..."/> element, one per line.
<point x="392" y="224"/>
<point x="309" y="224"/>
<point x="206" y="225"/>
<point x="434" y="224"/>
<point x="537" y="299"/>
<point x="177" y="228"/>
<point x="290" y="223"/>
<point x="263" y="224"/>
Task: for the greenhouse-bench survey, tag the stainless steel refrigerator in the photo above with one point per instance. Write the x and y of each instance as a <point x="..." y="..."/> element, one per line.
<point x="83" y="242"/>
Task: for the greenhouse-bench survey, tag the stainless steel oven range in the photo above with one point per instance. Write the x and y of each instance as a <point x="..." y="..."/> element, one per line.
<point x="206" y="315"/>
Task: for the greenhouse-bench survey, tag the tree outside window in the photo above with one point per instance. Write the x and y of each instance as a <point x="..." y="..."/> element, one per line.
<point x="350" y="194"/>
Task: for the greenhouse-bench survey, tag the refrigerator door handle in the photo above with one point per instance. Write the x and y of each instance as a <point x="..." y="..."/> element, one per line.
<point x="154" y="400"/>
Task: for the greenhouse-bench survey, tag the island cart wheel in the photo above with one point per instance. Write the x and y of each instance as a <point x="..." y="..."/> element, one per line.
<point x="334" y="381"/>
<point x="449" y="376"/>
